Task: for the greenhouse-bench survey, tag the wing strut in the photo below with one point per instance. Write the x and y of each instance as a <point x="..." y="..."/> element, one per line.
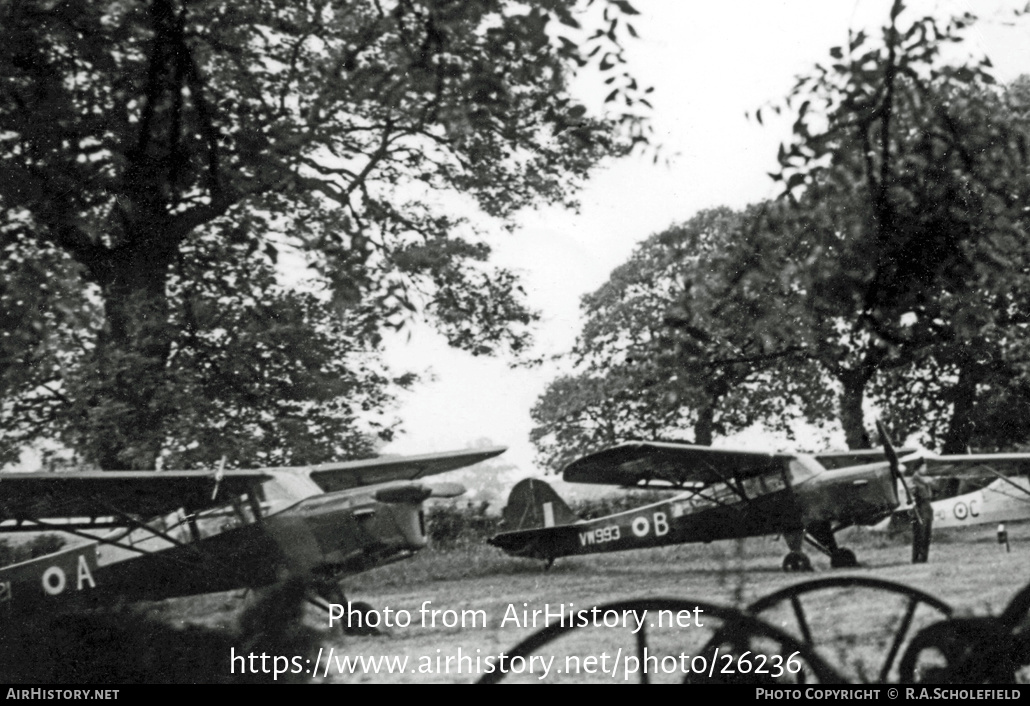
<point x="807" y="536"/>
<point x="714" y="500"/>
<point x="1009" y="481"/>
<point x="255" y="503"/>
<point x="137" y="524"/>
<point x="101" y="540"/>
<point x="36" y="524"/>
<point x="733" y="483"/>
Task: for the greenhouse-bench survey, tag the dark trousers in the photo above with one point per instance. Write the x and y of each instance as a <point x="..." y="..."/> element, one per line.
<point x="922" y="522"/>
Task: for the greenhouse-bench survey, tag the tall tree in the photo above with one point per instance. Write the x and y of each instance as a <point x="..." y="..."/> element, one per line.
<point x="898" y="255"/>
<point x="810" y="276"/>
<point x="910" y="175"/>
<point x="348" y="132"/>
<point x="675" y="345"/>
<point x="258" y="372"/>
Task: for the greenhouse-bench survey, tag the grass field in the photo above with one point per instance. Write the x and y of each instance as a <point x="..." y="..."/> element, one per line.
<point x="192" y="640"/>
<point x="852" y="627"/>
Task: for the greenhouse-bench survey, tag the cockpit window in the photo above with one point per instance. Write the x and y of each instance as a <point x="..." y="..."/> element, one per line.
<point x="288" y="487"/>
<point x="802" y="468"/>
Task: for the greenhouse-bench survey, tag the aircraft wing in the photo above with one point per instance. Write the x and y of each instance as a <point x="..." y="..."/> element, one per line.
<point x="331" y="477"/>
<point x="660" y="463"/>
<point x="90" y="494"/>
<point x="831" y="460"/>
<point x="976" y="465"/>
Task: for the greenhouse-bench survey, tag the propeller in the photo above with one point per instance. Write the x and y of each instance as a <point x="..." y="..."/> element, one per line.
<point x="918" y="549"/>
<point x="219" y="474"/>
<point x="892" y="458"/>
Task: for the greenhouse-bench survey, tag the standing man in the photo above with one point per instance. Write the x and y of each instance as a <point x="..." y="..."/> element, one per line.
<point x="922" y="520"/>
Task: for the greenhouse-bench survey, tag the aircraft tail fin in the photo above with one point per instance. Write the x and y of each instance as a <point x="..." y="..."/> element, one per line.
<point x="533" y="504"/>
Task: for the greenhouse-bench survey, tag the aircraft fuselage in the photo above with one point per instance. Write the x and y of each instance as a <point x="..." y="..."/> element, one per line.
<point x="788" y="500"/>
<point x="323" y="536"/>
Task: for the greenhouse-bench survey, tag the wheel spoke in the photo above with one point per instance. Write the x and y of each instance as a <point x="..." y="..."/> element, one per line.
<point x="899" y="637"/>
<point x="739" y="628"/>
<point x="799" y="614"/>
<point x="913" y="599"/>
<point x="642" y="650"/>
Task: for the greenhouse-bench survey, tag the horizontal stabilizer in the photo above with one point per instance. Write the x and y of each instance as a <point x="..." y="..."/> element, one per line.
<point x="541" y="543"/>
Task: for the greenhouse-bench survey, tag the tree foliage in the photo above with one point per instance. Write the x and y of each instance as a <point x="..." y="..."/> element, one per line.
<point x="910" y="176"/>
<point x="145" y="140"/>
<point x="894" y="268"/>
<point x="257" y="372"/>
<point x="673" y="347"/>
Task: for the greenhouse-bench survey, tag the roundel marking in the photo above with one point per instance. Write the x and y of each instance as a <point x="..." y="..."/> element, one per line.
<point x="54" y="580"/>
<point x="641" y="526"/>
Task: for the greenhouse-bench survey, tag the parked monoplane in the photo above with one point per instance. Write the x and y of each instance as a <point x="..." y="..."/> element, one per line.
<point x="728" y="494"/>
<point x="160" y="534"/>
<point x="1005" y="499"/>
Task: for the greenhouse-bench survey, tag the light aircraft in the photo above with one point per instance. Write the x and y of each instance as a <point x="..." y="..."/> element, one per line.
<point x="1005" y="499"/>
<point x="728" y="494"/>
<point x="160" y="534"/>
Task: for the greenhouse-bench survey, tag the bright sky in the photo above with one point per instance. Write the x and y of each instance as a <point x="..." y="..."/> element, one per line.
<point x="710" y="63"/>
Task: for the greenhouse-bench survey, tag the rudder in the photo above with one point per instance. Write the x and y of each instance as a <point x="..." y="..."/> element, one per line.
<point x="533" y="504"/>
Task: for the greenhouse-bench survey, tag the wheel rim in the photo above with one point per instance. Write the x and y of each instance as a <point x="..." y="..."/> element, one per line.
<point x="736" y="626"/>
<point x="792" y="596"/>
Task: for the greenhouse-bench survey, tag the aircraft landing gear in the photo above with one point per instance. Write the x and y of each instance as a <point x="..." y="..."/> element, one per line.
<point x="820" y="535"/>
<point x="843" y="558"/>
<point x="797" y="561"/>
<point x="367" y="623"/>
<point x="359" y="618"/>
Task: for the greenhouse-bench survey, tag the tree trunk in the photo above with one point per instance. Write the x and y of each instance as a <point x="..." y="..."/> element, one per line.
<point x="961" y="426"/>
<point x="126" y="413"/>
<point x="851" y="416"/>
<point x="704" y="427"/>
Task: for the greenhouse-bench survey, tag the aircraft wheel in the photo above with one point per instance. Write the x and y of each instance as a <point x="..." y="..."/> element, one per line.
<point x="369" y="620"/>
<point x="743" y="649"/>
<point x="797" y="561"/>
<point x="843" y="559"/>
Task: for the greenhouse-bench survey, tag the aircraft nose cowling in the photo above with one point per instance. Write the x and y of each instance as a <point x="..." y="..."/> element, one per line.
<point x="416" y="493"/>
<point x="447" y="490"/>
<point x="403" y="494"/>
